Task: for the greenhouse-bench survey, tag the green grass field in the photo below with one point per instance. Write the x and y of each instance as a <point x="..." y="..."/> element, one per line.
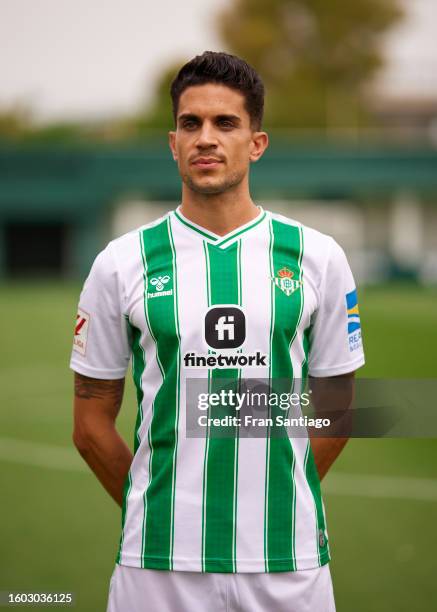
<point x="60" y="530"/>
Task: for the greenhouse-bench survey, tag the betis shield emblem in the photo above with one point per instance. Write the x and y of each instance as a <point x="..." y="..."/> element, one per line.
<point x="285" y="281"/>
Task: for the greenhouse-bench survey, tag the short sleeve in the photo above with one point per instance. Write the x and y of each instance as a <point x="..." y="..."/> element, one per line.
<point x="335" y="337"/>
<point x="101" y="339"/>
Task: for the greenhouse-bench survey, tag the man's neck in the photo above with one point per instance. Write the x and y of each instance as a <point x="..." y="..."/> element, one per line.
<point x="221" y="213"/>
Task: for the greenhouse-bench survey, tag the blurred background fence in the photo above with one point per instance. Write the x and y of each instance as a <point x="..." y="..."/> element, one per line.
<point x="377" y="197"/>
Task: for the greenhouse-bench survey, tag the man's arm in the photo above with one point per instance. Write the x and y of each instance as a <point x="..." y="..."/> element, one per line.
<point x="96" y="406"/>
<point x="332" y="397"/>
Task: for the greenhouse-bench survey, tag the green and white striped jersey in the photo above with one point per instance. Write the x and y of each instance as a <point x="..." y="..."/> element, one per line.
<point x="172" y="295"/>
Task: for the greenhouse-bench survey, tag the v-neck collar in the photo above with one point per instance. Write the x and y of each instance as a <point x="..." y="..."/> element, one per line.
<point x="219" y="241"/>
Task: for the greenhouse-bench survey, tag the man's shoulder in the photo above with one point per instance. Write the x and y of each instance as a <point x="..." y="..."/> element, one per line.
<point x="126" y="240"/>
<point x="314" y="241"/>
<point x="123" y="254"/>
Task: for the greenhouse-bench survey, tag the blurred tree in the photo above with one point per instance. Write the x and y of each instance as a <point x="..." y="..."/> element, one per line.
<point x="159" y="114"/>
<point x="14" y="122"/>
<point x="17" y="124"/>
<point x="315" y="56"/>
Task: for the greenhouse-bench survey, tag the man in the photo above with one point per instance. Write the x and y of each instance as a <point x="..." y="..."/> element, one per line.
<point x="218" y="290"/>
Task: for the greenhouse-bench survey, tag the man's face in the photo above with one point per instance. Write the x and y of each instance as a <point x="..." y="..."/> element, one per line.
<point x="213" y="143"/>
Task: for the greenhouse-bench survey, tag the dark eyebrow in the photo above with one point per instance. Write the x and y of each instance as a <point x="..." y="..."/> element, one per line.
<point x="192" y="117"/>
<point x="234" y="118"/>
<point x="189" y="116"/>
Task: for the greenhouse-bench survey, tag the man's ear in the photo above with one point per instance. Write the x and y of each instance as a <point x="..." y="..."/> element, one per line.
<point x="260" y="142"/>
<point x="172" y="144"/>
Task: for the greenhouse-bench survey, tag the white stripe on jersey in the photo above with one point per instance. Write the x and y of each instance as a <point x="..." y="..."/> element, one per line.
<point x="192" y="302"/>
<point x="151" y="382"/>
<point x="252" y="451"/>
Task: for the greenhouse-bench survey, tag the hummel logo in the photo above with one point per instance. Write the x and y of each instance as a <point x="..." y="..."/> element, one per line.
<point x="159" y="282"/>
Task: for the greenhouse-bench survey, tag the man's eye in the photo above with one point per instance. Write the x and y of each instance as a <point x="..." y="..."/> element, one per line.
<point x="189" y="125"/>
<point x="226" y="123"/>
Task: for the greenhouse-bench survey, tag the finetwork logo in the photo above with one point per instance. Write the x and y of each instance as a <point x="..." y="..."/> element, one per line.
<point x="225" y="327"/>
<point x="225" y="330"/>
<point x="235" y="360"/>
<point x="225" y="324"/>
<point x="159" y="282"/>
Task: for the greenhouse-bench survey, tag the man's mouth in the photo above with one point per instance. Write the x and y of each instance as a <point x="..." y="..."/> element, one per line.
<point x="206" y="162"/>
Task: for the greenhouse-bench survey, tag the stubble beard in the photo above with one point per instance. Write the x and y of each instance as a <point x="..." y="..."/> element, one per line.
<point x="228" y="183"/>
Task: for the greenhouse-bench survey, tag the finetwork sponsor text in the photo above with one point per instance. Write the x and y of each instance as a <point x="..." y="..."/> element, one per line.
<point x="226" y="360"/>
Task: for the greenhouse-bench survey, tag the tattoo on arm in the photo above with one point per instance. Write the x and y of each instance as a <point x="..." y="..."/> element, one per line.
<point x="95" y="388"/>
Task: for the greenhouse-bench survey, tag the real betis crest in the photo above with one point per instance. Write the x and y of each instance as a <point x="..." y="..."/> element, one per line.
<point x="284" y="280"/>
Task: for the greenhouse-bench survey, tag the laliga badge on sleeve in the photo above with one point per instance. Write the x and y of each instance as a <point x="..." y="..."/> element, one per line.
<point x="81" y="331"/>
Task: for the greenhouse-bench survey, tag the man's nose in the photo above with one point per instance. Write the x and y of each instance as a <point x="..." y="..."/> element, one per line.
<point x="207" y="136"/>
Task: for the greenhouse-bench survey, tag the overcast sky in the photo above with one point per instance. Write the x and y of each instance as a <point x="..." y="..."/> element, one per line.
<point x="70" y="59"/>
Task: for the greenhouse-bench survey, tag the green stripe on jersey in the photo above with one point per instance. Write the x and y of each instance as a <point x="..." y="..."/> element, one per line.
<point x="312" y="475"/>
<point x="306" y="345"/>
<point x="314" y="483"/>
<point x="285" y="252"/>
<point x="161" y="312"/>
<point x="126" y="491"/>
<point x="138" y="365"/>
<point x="219" y="495"/>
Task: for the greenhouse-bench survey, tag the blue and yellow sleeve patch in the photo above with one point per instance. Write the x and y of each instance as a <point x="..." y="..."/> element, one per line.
<point x="353" y="315"/>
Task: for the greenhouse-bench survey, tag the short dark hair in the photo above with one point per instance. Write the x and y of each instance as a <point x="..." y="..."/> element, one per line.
<point x="226" y="69"/>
